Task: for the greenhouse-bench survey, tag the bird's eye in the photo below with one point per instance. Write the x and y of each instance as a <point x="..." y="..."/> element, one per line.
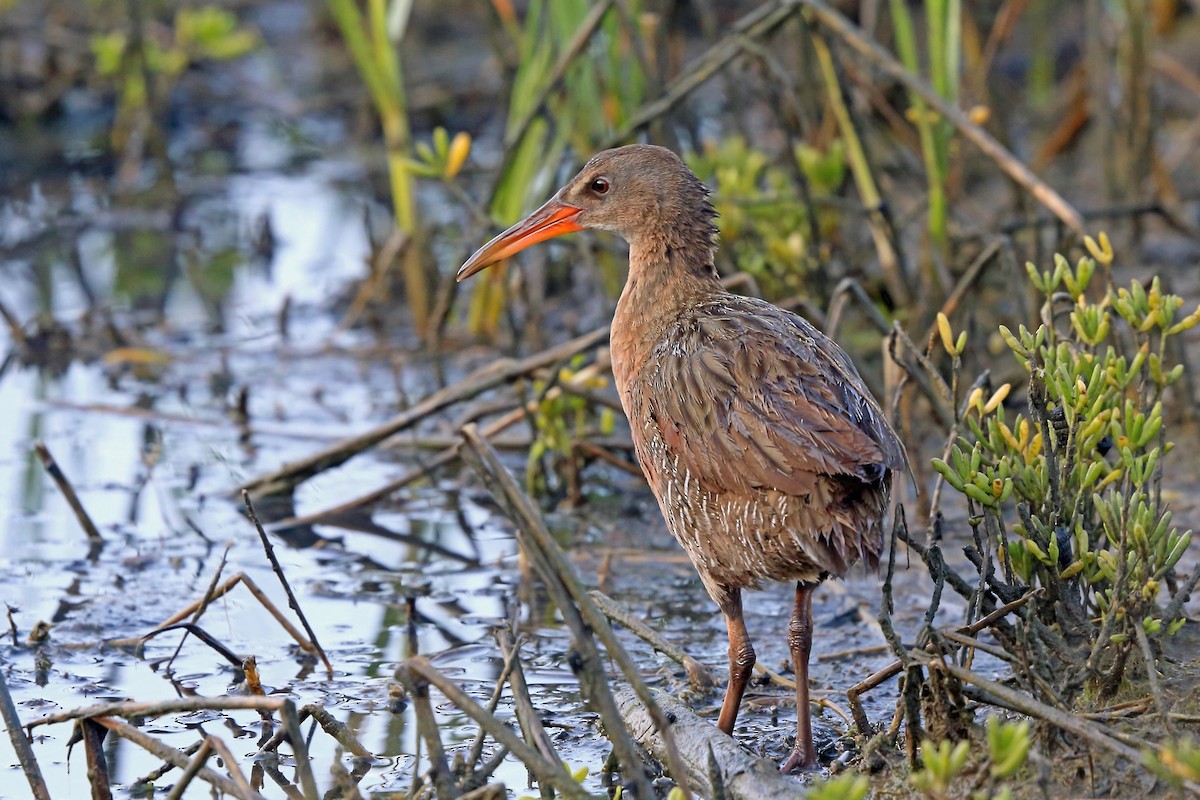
<point x="599" y="185"/>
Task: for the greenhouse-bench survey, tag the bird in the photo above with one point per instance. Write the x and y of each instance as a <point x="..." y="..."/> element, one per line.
<point x="768" y="455"/>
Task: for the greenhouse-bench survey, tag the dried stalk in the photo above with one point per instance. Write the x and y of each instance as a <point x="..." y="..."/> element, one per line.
<point x="129" y="708"/>
<point x="240" y="578"/>
<point x="97" y="765"/>
<point x="229" y="785"/>
<point x="511" y="655"/>
<point x="896" y="667"/>
<point x="68" y="491"/>
<point x="204" y="601"/>
<point x="20" y="743"/>
<point x="549" y="772"/>
<point x="1016" y="169"/>
<point x="293" y="603"/>
<point x="698" y="674"/>
<point x="527" y="717"/>
<point x="439" y="768"/>
<point x="291" y="724"/>
<point x="189" y="772"/>
<point x="569" y="594"/>
<point x="235" y="772"/>
<point x="447" y="456"/>
<point x="342" y="734"/>
<point x="489" y="377"/>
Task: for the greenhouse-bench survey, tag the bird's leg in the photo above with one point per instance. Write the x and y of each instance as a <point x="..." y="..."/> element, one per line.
<point x="741" y="659"/>
<point x="804" y="756"/>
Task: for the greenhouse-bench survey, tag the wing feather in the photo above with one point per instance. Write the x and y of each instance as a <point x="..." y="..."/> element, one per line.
<point x="747" y="395"/>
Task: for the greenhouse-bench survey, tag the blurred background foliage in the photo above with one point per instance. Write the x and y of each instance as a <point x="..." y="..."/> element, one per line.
<point x="801" y="143"/>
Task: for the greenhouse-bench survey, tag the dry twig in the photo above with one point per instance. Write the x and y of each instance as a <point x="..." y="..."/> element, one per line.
<point x="577" y="608"/>
<point x="20" y="743"/>
<point x="527" y="717"/>
<point x="427" y="726"/>
<point x="235" y="785"/>
<point x="549" y="772"/>
<point x="494" y="374"/>
<point x="1016" y="169"/>
<point x="293" y="603"/>
<point x="291" y="724"/>
<point x="64" y="486"/>
<point x="232" y="581"/>
<point x="193" y="767"/>
<point x="896" y="667"/>
<point x="130" y="708"/>
<point x="698" y="674"/>
<point x="447" y="456"/>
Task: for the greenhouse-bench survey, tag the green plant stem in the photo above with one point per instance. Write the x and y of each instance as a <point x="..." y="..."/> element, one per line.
<point x="906" y="46"/>
<point x="882" y="60"/>
<point x="375" y="57"/>
<point x="864" y="180"/>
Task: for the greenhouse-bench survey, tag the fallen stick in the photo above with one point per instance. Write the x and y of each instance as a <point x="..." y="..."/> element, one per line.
<point x="291" y="724"/>
<point x="445" y="457"/>
<point x="68" y="491"/>
<point x="152" y="777"/>
<point x="338" y="730"/>
<point x="540" y="547"/>
<point x="129" y="708"/>
<point x="20" y="743"/>
<point x="510" y="661"/>
<point x="427" y="729"/>
<point x="527" y="716"/>
<point x="223" y="589"/>
<point x="585" y="659"/>
<point x="481" y="380"/>
<point x="709" y="756"/>
<point x="698" y="674"/>
<point x="189" y="772"/>
<point x="93" y="736"/>
<point x="293" y="603"/>
<point x="231" y="766"/>
<point x="896" y="667"/>
<point x="204" y="601"/>
<point x="164" y="752"/>
<point x="546" y="771"/>
<point x="1024" y="704"/>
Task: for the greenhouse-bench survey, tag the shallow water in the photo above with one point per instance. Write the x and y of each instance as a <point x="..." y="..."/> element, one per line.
<point x="153" y="452"/>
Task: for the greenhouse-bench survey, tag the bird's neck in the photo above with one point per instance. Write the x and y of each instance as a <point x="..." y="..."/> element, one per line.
<point x="664" y="283"/>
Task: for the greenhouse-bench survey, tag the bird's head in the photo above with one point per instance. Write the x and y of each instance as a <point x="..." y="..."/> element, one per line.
<point x="642" y="193"/>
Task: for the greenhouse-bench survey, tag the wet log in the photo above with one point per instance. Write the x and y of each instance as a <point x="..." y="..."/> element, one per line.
<point x="709" y="756"/>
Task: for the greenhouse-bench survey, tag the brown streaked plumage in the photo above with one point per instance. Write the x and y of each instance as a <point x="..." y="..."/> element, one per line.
<point x="769" y="457"/>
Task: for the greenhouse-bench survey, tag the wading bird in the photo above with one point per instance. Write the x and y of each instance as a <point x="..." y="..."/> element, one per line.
<point x="769" y="457"/>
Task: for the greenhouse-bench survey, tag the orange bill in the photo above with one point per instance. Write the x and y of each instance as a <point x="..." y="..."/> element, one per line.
<point x="553" y="219"/>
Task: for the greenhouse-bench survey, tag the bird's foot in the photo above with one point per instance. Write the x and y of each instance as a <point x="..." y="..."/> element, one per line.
<point x="802" y="759"/>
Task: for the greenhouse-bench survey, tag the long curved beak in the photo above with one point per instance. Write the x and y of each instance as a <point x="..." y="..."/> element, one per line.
<point x="553" y="219"/>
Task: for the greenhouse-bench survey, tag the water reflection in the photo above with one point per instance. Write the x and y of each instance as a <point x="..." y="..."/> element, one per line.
<point x="172" y="312"/>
